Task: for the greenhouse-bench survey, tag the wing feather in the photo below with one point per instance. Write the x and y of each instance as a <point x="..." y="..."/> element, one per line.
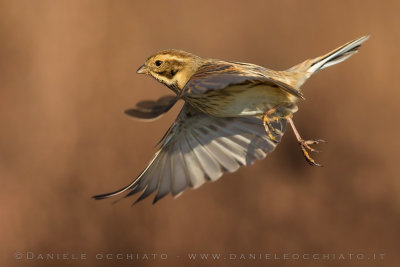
<point x="178" y="172"/>
<point x="199" y="147"/>
<point x="193" y="165"/>
<point x="151" y="185"/>
<point x="218" y="152"/>
<point x="218" y="75"/>
<point x="208" y="163"/>
<point x="151" y="110"/>
<point x="164" y="181"/>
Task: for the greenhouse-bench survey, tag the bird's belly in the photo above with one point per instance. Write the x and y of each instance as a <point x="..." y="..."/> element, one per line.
<point x="252" y="101"/>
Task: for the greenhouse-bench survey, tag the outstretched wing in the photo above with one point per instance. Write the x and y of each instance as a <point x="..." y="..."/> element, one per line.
<point x="217" y="75"/>
<point x="150" y="110"/>
<point x="200" y="148"/>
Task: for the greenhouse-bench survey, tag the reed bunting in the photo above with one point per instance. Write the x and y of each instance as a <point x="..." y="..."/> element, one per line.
<point x="234" y="113"/>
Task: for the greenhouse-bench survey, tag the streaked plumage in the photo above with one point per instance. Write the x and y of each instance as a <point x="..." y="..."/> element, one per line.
<point x="234" y="113"/>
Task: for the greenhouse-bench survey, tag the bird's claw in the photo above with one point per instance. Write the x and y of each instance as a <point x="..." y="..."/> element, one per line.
<point x="306" y="144"/>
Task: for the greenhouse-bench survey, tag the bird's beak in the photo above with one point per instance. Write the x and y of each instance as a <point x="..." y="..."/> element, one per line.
<point x="142" y="70"/>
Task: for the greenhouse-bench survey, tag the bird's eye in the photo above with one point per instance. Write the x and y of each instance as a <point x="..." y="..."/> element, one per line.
<point x="158" y="63"/>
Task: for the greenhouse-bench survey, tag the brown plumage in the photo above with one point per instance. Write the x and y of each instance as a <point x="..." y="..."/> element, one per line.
<point x="234" y="114"/>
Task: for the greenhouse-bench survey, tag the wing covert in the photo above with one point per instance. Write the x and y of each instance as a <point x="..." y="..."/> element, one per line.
<point x="218" y="75"/>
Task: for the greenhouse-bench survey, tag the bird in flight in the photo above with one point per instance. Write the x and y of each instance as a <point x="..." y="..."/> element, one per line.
<point x="234" y="114"/>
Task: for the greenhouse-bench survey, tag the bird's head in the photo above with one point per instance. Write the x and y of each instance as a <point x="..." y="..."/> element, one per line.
<point x="171" y="67"/>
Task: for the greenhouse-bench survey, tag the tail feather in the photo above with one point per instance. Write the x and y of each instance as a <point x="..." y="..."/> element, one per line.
<point x="338" y="55"/>
<point x="304" y="70"/>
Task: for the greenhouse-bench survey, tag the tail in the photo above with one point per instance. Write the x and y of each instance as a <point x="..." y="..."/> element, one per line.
<point x="311" y="66"/>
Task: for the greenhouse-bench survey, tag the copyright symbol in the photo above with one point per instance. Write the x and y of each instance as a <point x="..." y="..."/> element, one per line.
<point x="18" y="255"/>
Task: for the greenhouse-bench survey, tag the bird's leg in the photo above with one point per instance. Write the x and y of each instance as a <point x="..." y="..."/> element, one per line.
<point x="305" y="144"/>
<point x="280" y="111"/>
<point x="267" y="118"/>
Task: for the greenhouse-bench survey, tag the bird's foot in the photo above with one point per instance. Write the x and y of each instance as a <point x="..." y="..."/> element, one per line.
<point x="268" y="118"/>
<point x="305" y="146"/>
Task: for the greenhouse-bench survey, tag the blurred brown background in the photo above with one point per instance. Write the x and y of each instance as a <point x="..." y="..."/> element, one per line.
<point x="67" y="72"/>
